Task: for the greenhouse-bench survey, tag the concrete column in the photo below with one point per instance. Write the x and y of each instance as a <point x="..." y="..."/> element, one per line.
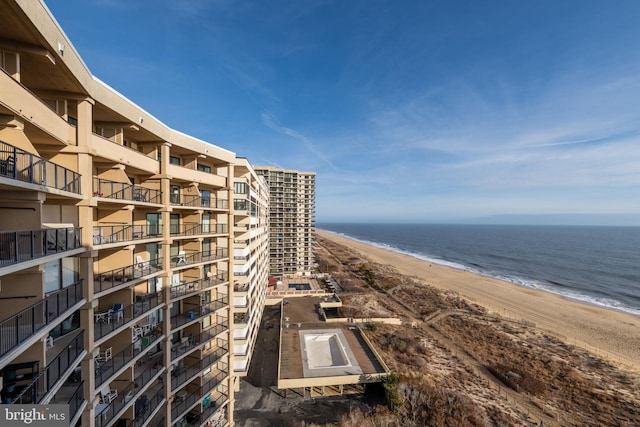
<point x="85" y="215"/>
<point x="86" y="323"/>
<point x="230" y="245"/>
<point x="165" y="182"/>
<point x="85" y="169"/>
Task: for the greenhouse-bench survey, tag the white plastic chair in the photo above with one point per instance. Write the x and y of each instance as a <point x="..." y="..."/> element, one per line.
<point x="137" y="332"/>
<point x="181" y="258"/>
<point x="108" y="395"/>
<point x="104" y="354"/>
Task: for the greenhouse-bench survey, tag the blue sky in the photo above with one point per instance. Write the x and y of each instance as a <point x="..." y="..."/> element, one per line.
<point x="407" y="110"/>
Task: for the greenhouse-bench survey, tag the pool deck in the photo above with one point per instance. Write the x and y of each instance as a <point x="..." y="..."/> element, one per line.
<point x="286" y="281"/>
<point x="300" y="315"/>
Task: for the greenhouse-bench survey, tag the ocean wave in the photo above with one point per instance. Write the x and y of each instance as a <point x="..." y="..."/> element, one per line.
<point x="553" y="287"/>
<point x="392" y="248"/>
<point x="560" y="289"/>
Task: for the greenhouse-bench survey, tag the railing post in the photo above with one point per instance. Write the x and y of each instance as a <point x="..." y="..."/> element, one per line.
<point x="33" y="244"/>
<point x="44" y="173"/>
<point x="31" y="168"/>
<point x="15" y="247"/>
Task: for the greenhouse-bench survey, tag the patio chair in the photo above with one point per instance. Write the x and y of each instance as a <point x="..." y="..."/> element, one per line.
<point x="137" y="332"/>
<point x="7" y="167"/>
<point x="181" y="258"/>
<point x="108" y="395"/>
<point x="104" y="354"/>
<point x="116" y="312"/>
<point x="138" y="195"/>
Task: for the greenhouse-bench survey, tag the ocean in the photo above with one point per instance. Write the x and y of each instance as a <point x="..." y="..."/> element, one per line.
<point x="595" y="265"/>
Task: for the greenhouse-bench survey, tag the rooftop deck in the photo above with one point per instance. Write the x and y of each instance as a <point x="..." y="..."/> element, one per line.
<point x="300" y="315"/>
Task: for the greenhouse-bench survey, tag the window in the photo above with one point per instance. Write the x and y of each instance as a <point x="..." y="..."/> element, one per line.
<point x="204" y="168"/>
<point x="175" y="194"/>
<point x="240" y="188"/>
<point x="174" y="226"/>
<point x="69" y="324"/>
<point x="174" y="160"/>
<point x="60" y="273"/>
<point x="240" y="204"/>
<point x="206" y="223"/>
<point x="153" y="249"/>
<point x="173" y="250"/>
<point x="206" y="198"/>
<point x="154" y="224"/>
<point x="206" y="247"/>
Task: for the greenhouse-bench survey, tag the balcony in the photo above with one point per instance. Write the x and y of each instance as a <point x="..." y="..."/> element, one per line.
<point x="124" y="191"/>
<point x="189" y="343"/>
<point x="197" y="201"/>
<point x="181" y="375"/>
<point x="106" y="370"/>
<point x="22" y="326"/>
<point x="71" y="394"/>
<point x="103" y="235"/>
<point x="210" y="414"/>
<point x="195" y="311"/>
<point x="145" y="408"/>
<point x="132" y="392"/>
<point x="221" y="325"/>
<point x="52" y="373"/>
<point x="241" y="206"/>
<point x="75" y="402"/>
<point x="185" y="259"/>
<point x="215" y="378"/>
<point x="107" y="321"/>
<point x="26" y="245"/>
<point x="186" y="288"/>
<point x="29" y="168"/>
<point x="123" y="275"/>
<point x="194" y="229"/>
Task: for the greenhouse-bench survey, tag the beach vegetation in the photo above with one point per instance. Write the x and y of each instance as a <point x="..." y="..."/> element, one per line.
<point x="390" y="384"/>
<point x="368" y="275"/>
<point x="460" y="365"/>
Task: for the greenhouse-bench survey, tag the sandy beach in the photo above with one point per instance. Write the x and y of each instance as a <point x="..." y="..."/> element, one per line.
<point x="608" y="333"/>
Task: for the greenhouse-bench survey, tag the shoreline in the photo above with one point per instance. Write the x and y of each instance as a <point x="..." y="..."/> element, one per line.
<point x="461" y="267"/>
<point x="609" y="333"/>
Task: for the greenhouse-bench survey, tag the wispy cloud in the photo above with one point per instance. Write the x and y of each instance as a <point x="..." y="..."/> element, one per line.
<point x="270" y="121"/>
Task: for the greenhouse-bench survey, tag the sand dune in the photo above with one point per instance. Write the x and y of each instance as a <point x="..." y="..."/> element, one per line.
<point x="608" y="333"/>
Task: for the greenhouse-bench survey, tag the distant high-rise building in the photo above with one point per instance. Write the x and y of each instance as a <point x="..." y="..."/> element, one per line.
<point x="291" y="219"/>
<point x="250" y="261"/>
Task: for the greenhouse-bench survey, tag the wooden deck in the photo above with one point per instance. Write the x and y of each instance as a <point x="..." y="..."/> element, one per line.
<point x="300" y="314"/>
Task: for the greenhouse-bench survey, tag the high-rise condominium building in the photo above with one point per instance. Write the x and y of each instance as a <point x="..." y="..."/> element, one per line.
<point x="121" y="244"/>
<point x="251" y="261"/>
<point x="291" y="219"/>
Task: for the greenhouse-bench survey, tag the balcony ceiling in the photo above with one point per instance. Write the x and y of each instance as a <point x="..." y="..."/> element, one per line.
<point x="37" y="72"/>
